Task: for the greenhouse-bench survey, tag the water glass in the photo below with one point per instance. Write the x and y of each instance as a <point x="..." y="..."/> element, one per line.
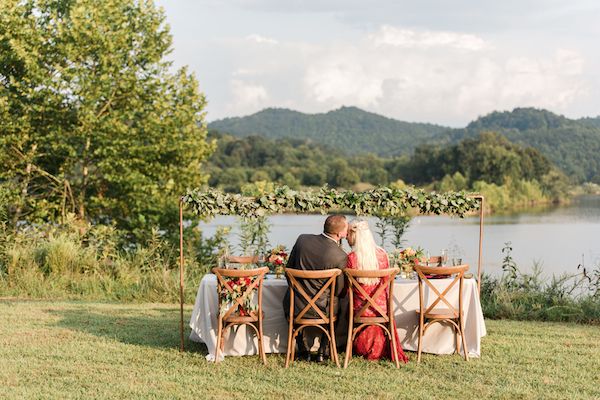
<point x="444" y="257"/>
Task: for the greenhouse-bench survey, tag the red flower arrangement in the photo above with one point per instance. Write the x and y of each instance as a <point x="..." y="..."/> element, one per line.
<point x="406" y="259"/>
<point x="238" y="288"/>
<point x="276" y="259"/>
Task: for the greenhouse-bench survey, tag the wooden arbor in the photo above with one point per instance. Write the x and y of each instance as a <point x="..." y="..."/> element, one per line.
<point x="383" y="201"/>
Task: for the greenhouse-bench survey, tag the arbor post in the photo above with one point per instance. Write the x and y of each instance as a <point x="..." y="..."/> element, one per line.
<point x="181" y="271"/>
<point x="479" y="260"/>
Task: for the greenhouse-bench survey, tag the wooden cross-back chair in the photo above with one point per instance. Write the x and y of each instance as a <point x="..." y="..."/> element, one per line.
<point x="231" y="316"/>
<point x="385" y="320"/>
<point x="297" y="322"/>
<point x="428" y="315"/>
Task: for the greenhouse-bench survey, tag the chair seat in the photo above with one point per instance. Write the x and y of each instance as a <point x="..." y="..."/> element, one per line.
<point x="440" y="313"/>
<point x="240" y="319"/>
<point x="314" y="321"/>
<point x="371" y="320"/>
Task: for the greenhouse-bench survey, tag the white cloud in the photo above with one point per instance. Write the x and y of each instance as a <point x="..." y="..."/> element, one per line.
<point x="552" y="83"/>
<point x="261" y="39"/>
<point x="392" y="36"/>
<point x="433" y="76"/>
<point x="247" y="97"/>
<point x="405" y="59"/>
<point x="335" y="80"/>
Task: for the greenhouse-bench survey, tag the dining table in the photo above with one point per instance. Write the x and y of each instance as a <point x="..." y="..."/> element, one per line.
<point x="438" y="339"/>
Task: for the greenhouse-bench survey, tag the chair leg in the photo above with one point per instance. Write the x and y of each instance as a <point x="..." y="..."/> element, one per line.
<point x="225" y="328"/>
<point x="289" y="344"/>
<point x="457" y="339"/>
<point x="464" y="341"/>
<point x="350" y="331"/>
<point x="219" y="339"/>
<point x="332" y="344"/>
<point x="393" y="343"/>
<point x="294" y="340"/>
<point x="420" y="346"/>
<point x="349" y="345"/>
<point x="261" y="345"/>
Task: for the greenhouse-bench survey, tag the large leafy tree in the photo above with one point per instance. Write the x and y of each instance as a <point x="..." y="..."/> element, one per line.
<point x="94" y="119"/>
<point x="489" y="157"/>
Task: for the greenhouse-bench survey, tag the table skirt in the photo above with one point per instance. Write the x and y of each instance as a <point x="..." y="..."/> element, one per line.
<point x="439" y="338"/>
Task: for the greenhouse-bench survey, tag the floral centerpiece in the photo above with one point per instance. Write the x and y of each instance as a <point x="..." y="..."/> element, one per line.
<point x="406" y="259"/>
<point x="238" y="288"/>
<point x="276" y="259"/>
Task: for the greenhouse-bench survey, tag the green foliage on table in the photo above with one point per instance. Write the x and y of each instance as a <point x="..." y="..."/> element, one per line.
<point x="388" y="201"/>
<point x="254" y="231"/>
<point x="95" y="120"/>
<point x="399" y="226"/>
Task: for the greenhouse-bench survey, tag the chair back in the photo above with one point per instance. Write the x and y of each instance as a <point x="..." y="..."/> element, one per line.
<point x="457" y="271"/>
<point x="254" y="278"/>
<point x="297" y="278"/>
<point x="386" y="281"/>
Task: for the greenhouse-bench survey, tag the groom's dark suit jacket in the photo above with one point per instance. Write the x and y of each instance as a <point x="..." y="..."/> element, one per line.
<point x="315" y="252"/>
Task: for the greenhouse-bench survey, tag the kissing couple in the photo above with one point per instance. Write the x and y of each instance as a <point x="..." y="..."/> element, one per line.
<point x="324" y="251"/>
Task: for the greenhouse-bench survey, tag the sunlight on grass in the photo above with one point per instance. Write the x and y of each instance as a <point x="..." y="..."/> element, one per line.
<point x="66" y="350"/>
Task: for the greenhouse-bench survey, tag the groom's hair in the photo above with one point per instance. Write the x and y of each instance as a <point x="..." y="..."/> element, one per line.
<point x="334" y="224"/>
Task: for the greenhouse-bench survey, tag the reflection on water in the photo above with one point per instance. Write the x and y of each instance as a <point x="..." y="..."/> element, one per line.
<point x="585" y="209"/>
<point x="559" y="238"/>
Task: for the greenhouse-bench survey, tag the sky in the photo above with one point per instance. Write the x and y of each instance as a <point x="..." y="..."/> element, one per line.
<point x="443" y="62"/>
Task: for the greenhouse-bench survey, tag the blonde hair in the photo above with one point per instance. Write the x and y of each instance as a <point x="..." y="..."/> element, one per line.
<point x="365" y="249"/>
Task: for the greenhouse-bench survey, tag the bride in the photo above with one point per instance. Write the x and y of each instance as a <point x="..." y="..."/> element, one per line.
<point x="371" y="342"/>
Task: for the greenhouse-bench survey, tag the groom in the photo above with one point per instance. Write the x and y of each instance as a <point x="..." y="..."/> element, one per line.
<point x="318" y="252"/>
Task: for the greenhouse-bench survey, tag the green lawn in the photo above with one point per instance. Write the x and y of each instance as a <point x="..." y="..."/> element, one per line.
<point x="65" y="350"/>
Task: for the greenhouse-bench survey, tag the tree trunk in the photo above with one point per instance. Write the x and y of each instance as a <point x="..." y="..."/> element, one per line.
<point x="84" y="179"/>
<point x="25" y="186"/>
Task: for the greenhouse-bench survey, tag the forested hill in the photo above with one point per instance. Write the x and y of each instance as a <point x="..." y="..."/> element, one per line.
<point x="572" y="145"/>
<point x="349" y="129"/>
<point x="590" y="121"/>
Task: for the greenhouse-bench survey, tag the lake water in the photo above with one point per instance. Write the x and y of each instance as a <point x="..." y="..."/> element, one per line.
<point x="558" y="238"/>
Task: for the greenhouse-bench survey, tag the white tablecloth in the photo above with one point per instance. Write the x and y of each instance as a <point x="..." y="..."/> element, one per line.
<point x="439" y="338"/>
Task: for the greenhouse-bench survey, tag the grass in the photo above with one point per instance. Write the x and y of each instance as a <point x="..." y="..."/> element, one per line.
<point x="73" y="350"/>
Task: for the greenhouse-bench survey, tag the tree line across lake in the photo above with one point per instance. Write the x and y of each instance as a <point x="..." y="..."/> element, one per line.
<point x="510" y="174"/>
<point x="572" y="144"/>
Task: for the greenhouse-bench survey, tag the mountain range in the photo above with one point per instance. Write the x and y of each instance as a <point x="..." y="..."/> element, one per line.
<point x="572" y="144"/>
<point x="348" y="128"/>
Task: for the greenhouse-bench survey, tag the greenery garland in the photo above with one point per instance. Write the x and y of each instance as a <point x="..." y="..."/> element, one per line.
<point x="383" y="201"/>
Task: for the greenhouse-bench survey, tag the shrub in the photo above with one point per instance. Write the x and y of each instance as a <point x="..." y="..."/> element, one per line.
<point x="72" y="260"/>
<point x="522" y="296"/>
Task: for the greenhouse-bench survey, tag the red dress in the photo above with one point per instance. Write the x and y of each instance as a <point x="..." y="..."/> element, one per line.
<point x="372" y="342"/>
